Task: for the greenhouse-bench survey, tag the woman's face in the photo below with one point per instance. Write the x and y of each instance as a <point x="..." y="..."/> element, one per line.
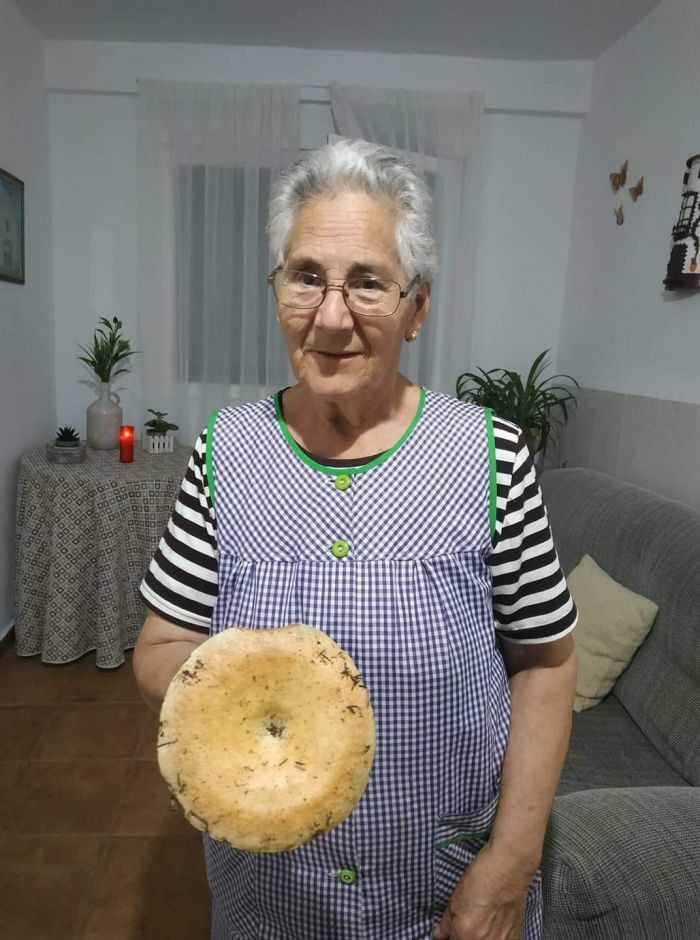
<point x="337" y="354"/>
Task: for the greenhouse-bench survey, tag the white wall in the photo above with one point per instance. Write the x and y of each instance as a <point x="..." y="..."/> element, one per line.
<point x="621" y="330"/>
<point x="530" y="143"/>
<point x="27" y="388"/>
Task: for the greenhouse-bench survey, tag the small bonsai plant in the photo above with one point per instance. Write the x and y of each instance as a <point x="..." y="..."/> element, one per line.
<point x="158" y="425"/>
<point x="538" y="408"/>
<point x="108" y="349"/>
<point x="67" y="437"/>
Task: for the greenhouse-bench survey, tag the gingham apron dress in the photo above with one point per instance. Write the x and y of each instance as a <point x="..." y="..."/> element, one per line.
<point x="388" y="560"/>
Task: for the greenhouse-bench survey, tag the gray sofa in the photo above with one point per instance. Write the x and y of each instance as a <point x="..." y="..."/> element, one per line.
<point x="622" y="852"/>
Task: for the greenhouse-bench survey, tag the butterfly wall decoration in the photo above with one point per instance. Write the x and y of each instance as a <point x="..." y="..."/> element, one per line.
<point x="637" y="190"/>
<point x="618" y="180"/>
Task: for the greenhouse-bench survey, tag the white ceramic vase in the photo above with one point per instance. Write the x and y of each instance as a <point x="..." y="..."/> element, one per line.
<point x="104" y="418"/>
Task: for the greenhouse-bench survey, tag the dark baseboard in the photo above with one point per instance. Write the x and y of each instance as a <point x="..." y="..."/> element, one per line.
<point x="7" y="642"/>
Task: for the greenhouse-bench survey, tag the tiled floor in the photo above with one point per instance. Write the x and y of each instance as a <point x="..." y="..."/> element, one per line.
<point x="90" y="848"/>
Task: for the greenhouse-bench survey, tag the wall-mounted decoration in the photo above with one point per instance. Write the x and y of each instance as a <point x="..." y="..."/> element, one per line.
<point x="618" y="180"/>
<point x="11" y="228"/>
<point x="619" y="215"/>
<point x="637" y="190"/>
<point x="682" y="269"/>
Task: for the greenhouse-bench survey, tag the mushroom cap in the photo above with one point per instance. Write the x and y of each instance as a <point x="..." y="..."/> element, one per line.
<point x="267" y="736"/>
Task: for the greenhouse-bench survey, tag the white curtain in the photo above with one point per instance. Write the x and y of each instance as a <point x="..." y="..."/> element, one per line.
<point x="441" y="131"/>
<point x="206" y="323"/>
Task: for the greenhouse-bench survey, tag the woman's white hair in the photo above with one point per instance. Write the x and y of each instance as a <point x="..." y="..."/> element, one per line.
<point x="348" y="165"/>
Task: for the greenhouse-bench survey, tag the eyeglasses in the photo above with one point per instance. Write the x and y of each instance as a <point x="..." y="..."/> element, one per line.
<point x="367" y="296"/>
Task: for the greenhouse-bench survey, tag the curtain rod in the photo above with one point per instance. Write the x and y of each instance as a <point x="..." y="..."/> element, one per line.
<point x="324" y="99"/>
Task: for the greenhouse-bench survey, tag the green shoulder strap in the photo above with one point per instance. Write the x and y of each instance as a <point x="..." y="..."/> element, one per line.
<point x="210" y="454"/>
<point x="492" y="472"/>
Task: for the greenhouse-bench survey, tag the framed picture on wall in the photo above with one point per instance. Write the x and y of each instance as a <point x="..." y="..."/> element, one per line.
<point x="11" y="228"/>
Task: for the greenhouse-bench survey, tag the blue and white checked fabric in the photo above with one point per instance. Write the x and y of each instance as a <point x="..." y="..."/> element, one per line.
<point x="411" y="603"/>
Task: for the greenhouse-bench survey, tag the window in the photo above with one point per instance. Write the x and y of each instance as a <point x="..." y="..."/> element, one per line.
<point x="222" y="261"/>
<point x="682" y="227"/>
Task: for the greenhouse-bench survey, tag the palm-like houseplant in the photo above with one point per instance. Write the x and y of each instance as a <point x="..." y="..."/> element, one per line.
<point x="536" y="406"/>
<point x="108" y="349"/>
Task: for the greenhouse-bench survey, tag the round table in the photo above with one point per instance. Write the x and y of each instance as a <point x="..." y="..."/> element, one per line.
<point x="85" y="535"/>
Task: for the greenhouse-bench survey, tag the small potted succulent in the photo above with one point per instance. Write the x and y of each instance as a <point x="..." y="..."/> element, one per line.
<point x="66" y="447"/>
<point x="157" y="438"/>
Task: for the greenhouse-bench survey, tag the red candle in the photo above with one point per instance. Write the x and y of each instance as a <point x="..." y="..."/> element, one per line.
<point x="126" y="443"/>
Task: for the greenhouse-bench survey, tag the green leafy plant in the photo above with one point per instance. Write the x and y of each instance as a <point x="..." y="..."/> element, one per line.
<point x="67" y="436"/>
<point x="108" y="349"/>
<point x="157" y="425"/>
<point x="537" y="407"/>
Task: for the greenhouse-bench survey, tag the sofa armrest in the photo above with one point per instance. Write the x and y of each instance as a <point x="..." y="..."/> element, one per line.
<point x="623" y="863"/>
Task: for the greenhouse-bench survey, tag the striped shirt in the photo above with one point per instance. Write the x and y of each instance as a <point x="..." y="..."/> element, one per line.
<point x="531" y="602"/>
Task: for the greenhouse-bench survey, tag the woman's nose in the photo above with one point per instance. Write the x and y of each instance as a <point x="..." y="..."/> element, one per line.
<point x="333" y="313"/>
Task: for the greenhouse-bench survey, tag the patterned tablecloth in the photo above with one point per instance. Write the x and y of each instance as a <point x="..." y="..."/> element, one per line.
<point x="85" y="535"/>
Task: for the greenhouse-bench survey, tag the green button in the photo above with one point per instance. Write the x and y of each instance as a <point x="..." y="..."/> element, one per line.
<point x="343" y="482"/>
<point x="340" y="548"/>
<point x="347" y="876"/>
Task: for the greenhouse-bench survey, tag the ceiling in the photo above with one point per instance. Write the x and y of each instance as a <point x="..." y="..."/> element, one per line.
<point x="493" y="29"/>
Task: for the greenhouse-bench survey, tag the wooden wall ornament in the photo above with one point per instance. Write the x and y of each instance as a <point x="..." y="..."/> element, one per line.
<point x="682" y="268"/>
<point x="620" y="215"/>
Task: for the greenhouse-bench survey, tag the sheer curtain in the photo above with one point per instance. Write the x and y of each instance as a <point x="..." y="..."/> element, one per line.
<point x="441" y="131"/>
<point x="206" y="324"/>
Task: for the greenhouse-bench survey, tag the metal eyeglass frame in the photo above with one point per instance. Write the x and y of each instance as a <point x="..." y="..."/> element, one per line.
<point x="342" y="287"/>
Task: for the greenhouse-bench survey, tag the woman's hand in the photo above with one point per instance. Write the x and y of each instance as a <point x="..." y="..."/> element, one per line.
<point x="488" y="902"/>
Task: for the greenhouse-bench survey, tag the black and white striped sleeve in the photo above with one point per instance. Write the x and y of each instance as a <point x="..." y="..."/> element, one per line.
<point x="531" y="601"/>
<point x="181" y="583"/>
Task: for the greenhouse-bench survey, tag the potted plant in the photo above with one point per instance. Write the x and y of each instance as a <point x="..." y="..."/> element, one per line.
<point x="539" y="408"/>
<point x="66" y="447"/>
<point x="67" y="437"/>
<point x="109" y="349"/>
<point x="158" y="439"/>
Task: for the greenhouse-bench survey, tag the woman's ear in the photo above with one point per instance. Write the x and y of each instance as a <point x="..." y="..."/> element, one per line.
<point x="420" y="314"/>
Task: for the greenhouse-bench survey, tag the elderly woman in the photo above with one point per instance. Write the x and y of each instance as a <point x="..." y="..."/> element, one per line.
<point x="408" y="526"/>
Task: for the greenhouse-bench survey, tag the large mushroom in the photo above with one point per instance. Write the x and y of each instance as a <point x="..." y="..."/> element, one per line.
<point x="267" y="736"/>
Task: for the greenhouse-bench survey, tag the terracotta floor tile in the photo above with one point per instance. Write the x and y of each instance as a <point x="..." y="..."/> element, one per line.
<point x="52" y="797"/>
<point x="93" y="729"/>
<point x="44" y="882"/>
<point x="89" y="683"/>
<point x="146" y="749"/>
<point x="147" y="809"/>
<point x="25" y="680"/>
<point x="21" y="727"/>
<point x="151" y="888"/>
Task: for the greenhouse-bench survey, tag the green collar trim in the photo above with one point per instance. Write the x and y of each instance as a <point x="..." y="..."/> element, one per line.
<point x="493" y="480"/>
<point x="336" y="471"/>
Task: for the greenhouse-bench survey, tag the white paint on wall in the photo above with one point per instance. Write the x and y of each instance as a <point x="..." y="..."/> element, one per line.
<point x="523" y="248"/>
<point x="93" y="169"/>
<point x="622" y="331"/>
<point x="27" y="389"/>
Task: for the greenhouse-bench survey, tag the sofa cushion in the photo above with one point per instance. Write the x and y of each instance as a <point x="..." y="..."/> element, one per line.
<point x="612" y="624"/>
<point x="651" y="545"/>
<point x="623" y="865"/>
<point x="607" y="749"/>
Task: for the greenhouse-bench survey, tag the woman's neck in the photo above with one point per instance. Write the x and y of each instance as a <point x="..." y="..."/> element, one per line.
<point x="350" y="428"/>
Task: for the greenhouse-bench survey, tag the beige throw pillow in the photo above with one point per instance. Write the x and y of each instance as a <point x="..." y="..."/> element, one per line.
<point x="612" y="624"/>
